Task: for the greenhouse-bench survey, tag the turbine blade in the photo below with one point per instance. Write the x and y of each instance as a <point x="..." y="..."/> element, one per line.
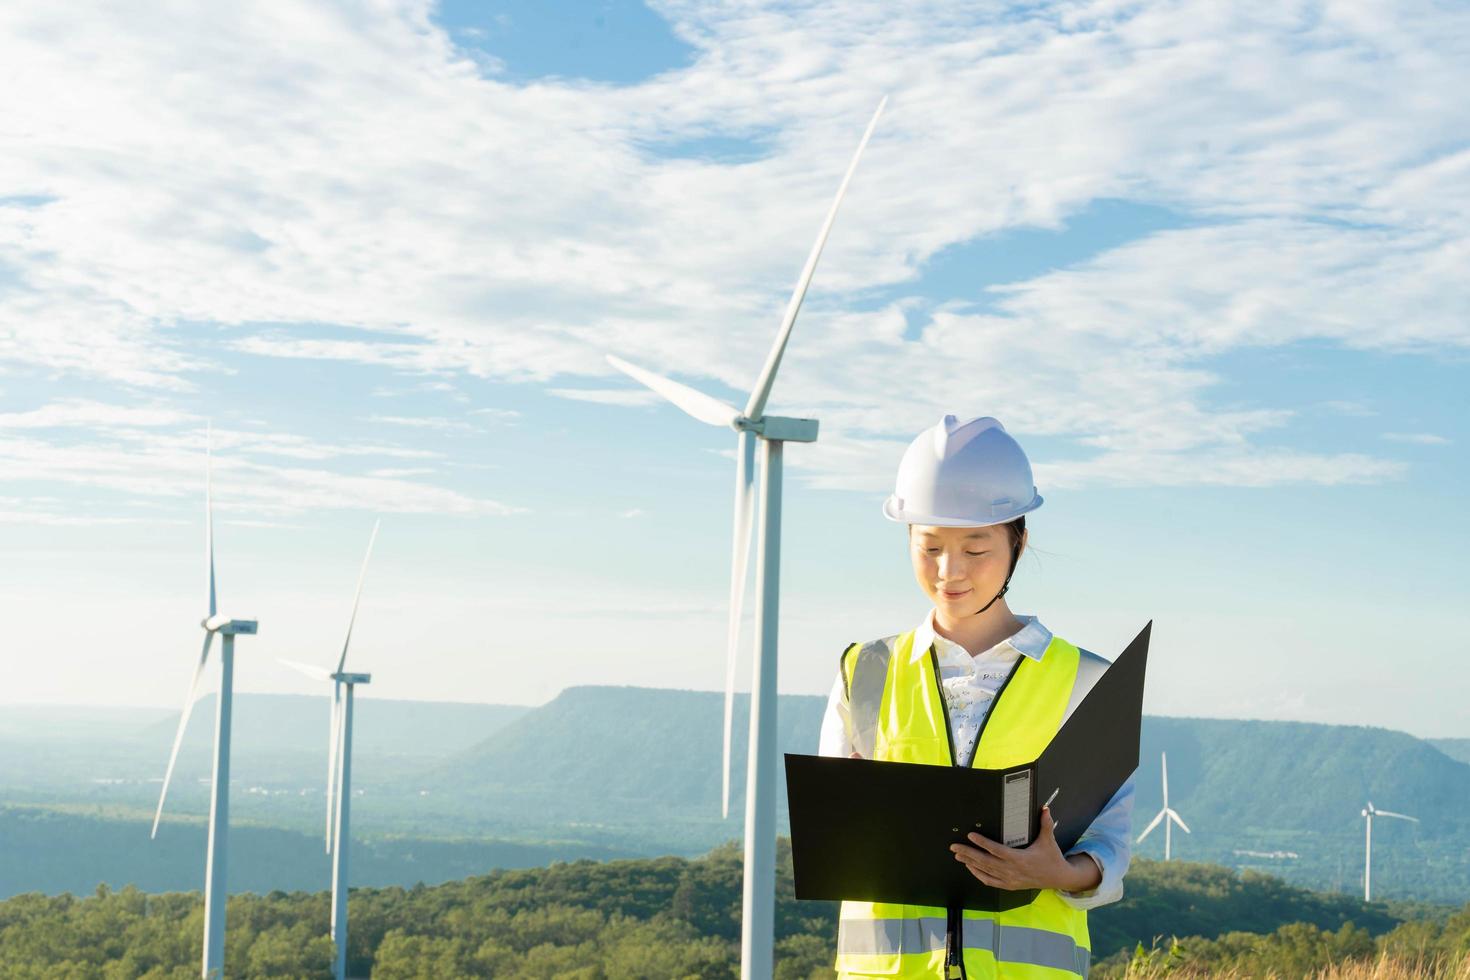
<point x="756" y="407"/>
<point x="739" y="560"/>
<point x="1152" y="824"/>
<point x="314" y="672"/>
<point x="209" y="512"/>
<point x="1164" y="759"/>
<point x="340" y="753"/>
<point x="1180" y="821"/>
<point x="357" y="596"/>
<point x="336" y="707"/>
<point x="1390" y="813"/>
<point x="696" y="403"/>
<point x="173" y="755"/>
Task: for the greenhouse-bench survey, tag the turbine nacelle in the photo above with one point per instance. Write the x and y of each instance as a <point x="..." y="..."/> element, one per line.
<point x="1373" y="811"/>
<point x="230" y="627"/>
<point x="319" y="674"/>
<point x="779" y="429"/>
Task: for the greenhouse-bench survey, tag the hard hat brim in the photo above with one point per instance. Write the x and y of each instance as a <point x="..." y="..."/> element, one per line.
<point x="894" y="511"/>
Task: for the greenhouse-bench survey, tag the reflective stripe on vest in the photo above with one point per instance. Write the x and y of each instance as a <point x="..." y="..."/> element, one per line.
<point x="897" y="713"/>
<point x="926" y="934"/>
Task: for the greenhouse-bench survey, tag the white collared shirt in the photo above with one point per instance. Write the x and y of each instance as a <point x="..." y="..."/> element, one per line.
<point x="970" y="684"/>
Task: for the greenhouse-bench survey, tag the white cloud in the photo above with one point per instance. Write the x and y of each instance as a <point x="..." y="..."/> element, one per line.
<point x="606" y="396"/>
<point x="1256" y="468"/>
<point x="161" y="465"/>
<point x="423" y="422"/>
<point x="44" y="513"/>
<point x="402" y="471"/>
<point x="203" y="174"/>
<point x="504" y="416"/>
<point x="1417" y="438"/>
<point x="77" y="412"/>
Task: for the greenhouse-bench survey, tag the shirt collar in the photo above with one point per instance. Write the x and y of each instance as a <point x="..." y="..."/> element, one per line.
<point x="1030" y="641"/>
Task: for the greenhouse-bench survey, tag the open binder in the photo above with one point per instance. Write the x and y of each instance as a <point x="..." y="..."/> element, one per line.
<point x="880" y="831"/>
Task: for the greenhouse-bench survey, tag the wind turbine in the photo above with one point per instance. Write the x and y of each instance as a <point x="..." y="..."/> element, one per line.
<point x="219" y="800"/>
<point x="1166" y="814"/>
<point x="1369" y="813"/>
<point x="339" y="769"/>
<point x="772" y="432"/>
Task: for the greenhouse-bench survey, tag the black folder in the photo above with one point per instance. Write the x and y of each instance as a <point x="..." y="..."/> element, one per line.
<point x="880" y="831"/>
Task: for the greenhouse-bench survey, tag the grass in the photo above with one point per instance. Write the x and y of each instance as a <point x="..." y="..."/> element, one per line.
<point x="1384" y="967"/>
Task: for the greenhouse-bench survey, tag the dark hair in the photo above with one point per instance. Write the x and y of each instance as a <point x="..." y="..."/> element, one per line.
<point x="1017" y="530"/>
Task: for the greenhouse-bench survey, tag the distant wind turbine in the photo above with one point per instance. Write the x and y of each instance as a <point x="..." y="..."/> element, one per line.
<point x="752" y="425"/>
<point x="219" y="801"/>
<point x="339" y="769"/>
<point x="1168" y="815"/>
<point x="1369" y="812"/>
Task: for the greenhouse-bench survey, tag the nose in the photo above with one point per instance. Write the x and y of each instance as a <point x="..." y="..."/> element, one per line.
<point x="950" y="566"/>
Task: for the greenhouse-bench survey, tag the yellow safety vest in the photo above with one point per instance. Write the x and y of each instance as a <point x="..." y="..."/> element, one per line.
<point x="898" y="714"/>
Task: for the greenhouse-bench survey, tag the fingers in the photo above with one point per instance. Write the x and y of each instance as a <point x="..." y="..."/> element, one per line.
<point x="979" y="862"/>
<point x="998" y="870"/>
<point x="987" y="874"/>
<point x="1046" y="841"/>
<point x="974" y="856"/>
<point x="986" y="844"/>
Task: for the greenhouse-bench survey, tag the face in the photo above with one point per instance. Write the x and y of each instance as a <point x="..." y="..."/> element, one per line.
<point x="960" y="569"/>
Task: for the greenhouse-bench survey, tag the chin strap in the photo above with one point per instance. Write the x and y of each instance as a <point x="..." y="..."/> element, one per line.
<point x="1015" y="557"/>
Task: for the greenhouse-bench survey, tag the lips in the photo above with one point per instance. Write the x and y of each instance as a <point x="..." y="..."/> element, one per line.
<point x="955" y="595"/>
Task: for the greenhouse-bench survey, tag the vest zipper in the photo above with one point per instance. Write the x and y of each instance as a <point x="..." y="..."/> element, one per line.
<point x="954" y="759"/>
<point x="954" y="958"/>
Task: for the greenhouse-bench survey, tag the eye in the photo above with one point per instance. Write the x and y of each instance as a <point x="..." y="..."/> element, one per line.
<point x="976" y="554"/>
<point x="931" y="551"/>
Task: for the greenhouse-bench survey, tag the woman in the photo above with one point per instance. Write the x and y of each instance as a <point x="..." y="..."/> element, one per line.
<point x="974" y="684"/>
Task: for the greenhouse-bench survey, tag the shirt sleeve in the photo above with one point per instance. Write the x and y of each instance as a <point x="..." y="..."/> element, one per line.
<point x="1109" y="842"/>
<point x="835" y="740"/>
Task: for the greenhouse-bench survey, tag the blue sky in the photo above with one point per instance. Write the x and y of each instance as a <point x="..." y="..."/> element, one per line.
<point x="1209" y="274"/>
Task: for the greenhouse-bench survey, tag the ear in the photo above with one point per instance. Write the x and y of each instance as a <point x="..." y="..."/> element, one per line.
<point x="1021" y="545"/>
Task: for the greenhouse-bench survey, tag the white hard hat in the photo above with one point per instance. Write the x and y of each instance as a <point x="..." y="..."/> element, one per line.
<point x="963" y="474"/>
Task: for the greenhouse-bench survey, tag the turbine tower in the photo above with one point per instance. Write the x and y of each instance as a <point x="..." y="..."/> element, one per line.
<point x="339" y="769"/>
<point x="1168" y="815"/>
<point x="219" y="801"/>
<point x="772" y="432"/>
<point x="1369" y="813"/>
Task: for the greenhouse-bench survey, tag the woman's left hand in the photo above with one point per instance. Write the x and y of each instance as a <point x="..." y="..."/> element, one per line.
<point x="1040" y="864"/>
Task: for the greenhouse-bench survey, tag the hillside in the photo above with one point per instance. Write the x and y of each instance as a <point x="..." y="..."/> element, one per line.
<point x="631" y="760"/>
<point x="1455" y="748"/>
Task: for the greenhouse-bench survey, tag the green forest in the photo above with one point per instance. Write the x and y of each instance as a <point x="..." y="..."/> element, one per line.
<point x="667" y="917"/>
